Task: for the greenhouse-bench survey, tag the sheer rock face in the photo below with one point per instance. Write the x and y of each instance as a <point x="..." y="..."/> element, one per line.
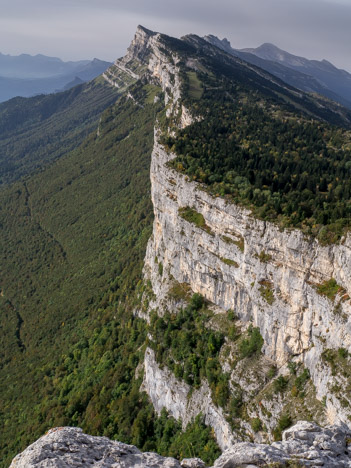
<point x="296" y="320"/>
<point x="165" y="391"/>
<point x="306" y="443"/>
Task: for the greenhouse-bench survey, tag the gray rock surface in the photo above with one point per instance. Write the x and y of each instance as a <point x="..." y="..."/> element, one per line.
<point x="305" y="443"/>
<point x="65" y="447"/>
<point x="298" y="322"/>
<point x="184" y="403"/>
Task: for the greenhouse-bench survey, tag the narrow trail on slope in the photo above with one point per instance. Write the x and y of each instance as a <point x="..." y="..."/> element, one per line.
<point x="29" y="205"/>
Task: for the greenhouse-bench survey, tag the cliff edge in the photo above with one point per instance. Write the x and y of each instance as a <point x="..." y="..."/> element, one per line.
<point x="303" y="445"/>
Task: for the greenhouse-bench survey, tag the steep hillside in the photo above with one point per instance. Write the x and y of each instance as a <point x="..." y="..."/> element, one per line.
<point x="338" y="81"/>
<point x="36" y="131"/>
<point x="73" y="242"/>
<point x="305" y="78"/>
<point x="236" y="324"/>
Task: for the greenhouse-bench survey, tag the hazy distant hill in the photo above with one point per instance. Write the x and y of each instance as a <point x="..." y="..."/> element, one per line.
<point x="75" y="217"/>
<point x="25" y="75"/>
<point x="309" y="75"/>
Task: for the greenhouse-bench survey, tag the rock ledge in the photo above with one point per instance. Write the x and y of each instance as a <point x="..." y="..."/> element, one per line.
<point x="305" y="444"/>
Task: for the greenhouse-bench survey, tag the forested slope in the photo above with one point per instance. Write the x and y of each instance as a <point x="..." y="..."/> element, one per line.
<point x="73" y="239"/>
<point x="74" y="234"/>
<point x="36" y="131"/>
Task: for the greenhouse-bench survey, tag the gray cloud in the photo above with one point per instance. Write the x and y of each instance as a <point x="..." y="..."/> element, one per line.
<point x="86" y="28"/>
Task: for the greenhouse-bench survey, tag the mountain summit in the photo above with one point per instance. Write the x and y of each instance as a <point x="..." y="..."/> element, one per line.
<point x="315" y="76"/>
<point x="180" y="277"/>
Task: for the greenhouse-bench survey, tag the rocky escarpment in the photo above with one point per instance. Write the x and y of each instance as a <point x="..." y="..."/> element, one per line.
<point x="305" y="444"/>
<point x="147" y="58"/>
<point x="277" y="280"/>
<point x="165" y="391"/>
<point x="295" y="290"/>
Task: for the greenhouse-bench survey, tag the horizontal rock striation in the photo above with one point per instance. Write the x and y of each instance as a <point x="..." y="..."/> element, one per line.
<point x="270" y="277"/>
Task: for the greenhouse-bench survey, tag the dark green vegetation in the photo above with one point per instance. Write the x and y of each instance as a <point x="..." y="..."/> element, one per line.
<point x="284" y="422"/>
<point x="264" y="148"/>
<point x="330" y="289"/>
<point x="188" y="345"/>
<point x="36" y="131"/>
<point x="252" y="345"/>
<point x="73" y="239"/>
<point x="339" y="362"/>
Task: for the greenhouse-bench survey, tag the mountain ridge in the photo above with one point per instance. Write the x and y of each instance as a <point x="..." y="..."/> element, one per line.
<point x="27" y="75"/>
<point x="304" y="77"/>
<point x="226" y="300"/>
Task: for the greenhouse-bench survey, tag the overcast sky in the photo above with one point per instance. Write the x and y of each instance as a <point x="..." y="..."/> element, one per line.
<point x="80" y="29"/>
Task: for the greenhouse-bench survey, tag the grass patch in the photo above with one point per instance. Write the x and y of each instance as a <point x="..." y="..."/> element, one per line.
<point x="330" y="289"/>
<point x="256" y="424"/>
<point x="151" y="92"/>
<point x="192" y="216"/>
<point x="240" y="243"/>
<point x="266" y="291"/>
<point x="180" y="291"/>
<point x="264" y="257"/>
<point x="229" y="262"/>
<point x="195" y="86"/>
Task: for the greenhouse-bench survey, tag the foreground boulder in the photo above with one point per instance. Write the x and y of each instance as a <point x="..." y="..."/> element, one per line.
<point x="303" y="445"/>
<point x="65" y="447"/>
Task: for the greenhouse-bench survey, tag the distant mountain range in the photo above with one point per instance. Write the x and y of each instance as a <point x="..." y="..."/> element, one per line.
<point x="26" y="75"/>
<point x="314" y="76"/>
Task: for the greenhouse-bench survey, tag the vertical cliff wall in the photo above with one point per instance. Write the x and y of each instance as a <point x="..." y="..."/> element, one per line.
<point x="269" y="277"/>
<point x="291" y="287"/>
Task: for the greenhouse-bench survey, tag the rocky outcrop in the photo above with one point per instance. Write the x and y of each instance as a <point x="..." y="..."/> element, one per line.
<point x="305" y="444"/>
<point x="68" y="446"/>
<point x="165" y="391"/>
<point x="147" y="57"/>
<point x="268" y="276"/>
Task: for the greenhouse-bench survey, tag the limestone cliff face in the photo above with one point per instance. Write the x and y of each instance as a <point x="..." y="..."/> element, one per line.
<point x="271" y="278"/>
<point x="165" y="391"/>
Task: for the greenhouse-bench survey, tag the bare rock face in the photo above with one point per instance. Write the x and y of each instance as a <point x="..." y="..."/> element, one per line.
<point x="305" y="444"/>
<point x="65" y="447"/>
<point x="267" y="276"/>
<point x="165" y="391"/>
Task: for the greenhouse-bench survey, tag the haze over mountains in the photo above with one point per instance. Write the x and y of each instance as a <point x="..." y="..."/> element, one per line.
<point x="175" y="257"/>
<point x="314" y="76"/>
<point x="26" y="75"/>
